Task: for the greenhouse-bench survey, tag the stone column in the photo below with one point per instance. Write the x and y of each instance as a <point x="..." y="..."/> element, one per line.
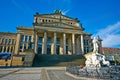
<point x="6" y="48"/>
<point x="61" y="45"/>
<point x="64" y="43"/>
<point x="78" y="46"/>
<point x="53" y="48"/>
<point x="82" y="44"/>
<point x="3" y="48"/>
<point x="22" y="47"/>
<point x="73" y="43"/>
<point x="10" y="49"/>
<point x="17" y="43"/>
<point x="44" y="43"/>
<point x="13" y="49"/>
<point x="55" y="36"/>
<point x="36" y="42"/>
<point x="69" y="46"/>
<point x="0" y="40"/>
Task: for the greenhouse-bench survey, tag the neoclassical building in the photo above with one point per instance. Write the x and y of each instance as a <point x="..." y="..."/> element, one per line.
<point x="51" y="34"/>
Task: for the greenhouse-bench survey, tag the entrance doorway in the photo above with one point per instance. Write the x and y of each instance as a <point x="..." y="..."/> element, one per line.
<point x="48" y="49"/>
<point x="66" y="49"/>
<point x="57" y="49"/>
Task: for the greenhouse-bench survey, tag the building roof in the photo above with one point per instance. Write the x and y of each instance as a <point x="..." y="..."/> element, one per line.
<point x="8" y="33"/>
<point x="111" y="49"/>
<point x="24" y="28"/>
<point x="57" y="13"/>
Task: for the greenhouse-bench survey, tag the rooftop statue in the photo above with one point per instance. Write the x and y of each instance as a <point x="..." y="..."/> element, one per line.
<point x="58" y="12"/>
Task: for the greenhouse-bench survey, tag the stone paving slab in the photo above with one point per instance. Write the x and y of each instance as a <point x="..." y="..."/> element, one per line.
<point x="20" y="74"/>
<point x="29" y="71"/>
<point x="58" y="75"/>
<point x="22" y="77"/>
<point x="47" y="73"/>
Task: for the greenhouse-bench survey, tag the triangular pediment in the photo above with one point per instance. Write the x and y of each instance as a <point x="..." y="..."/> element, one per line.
<point x="62" y="25"/>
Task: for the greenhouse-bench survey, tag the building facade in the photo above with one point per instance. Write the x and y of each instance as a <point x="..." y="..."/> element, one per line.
<point x="51" y="34"/>
<point x="112" y="53"/>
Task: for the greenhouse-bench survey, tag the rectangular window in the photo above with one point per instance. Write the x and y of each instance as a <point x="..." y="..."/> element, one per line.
<point x="11" y="49"/>
<point x="20" y="47"/>
<point x="4" y="49"/>
<point x="9" y="42"/>
<point x="86" y="42"/>
<point x="58" y="41"/>
<point x="0" y="48"/>
<point x="24" y="46"/>
<point x="30" y="38"/>
<point x="22" y="38"/>
<point x="49" y="40"/>
<point x="26" y="38"/>
<point x="67" y="41"/>
<point x="13" y="41"/>
<point x="40" y="40"/>
<point x="6" y="40"/>
<point x="2" y="41"/>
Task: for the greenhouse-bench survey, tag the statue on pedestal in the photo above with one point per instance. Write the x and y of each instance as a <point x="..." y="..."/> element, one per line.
<point x="95" y="45"/>
<point x="95" y="59"/>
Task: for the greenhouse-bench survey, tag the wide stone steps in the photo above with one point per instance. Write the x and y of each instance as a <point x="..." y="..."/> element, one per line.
<point x="57" y="60"/>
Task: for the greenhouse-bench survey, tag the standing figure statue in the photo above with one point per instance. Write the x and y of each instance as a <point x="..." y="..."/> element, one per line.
<point x="95" y="45"/>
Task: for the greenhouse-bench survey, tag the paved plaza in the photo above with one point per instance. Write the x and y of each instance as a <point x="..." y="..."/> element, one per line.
<point x="34" y="74"/>
<point x="20" y="74"/>
<point x="49" y="73"/>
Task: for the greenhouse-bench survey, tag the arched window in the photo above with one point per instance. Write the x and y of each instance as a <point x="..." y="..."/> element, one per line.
<point x="43" y="20"/>
<point x="49" y="20"/>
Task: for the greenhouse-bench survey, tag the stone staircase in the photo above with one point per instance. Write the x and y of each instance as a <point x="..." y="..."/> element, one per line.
<point x="57" y="60"/>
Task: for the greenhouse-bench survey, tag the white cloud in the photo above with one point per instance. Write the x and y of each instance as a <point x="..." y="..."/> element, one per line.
<point x="110" y="35"/>
<point x="64" y="12"/>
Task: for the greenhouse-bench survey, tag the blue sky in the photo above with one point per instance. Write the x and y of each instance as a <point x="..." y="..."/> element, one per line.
<point x="99" y="17"/>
